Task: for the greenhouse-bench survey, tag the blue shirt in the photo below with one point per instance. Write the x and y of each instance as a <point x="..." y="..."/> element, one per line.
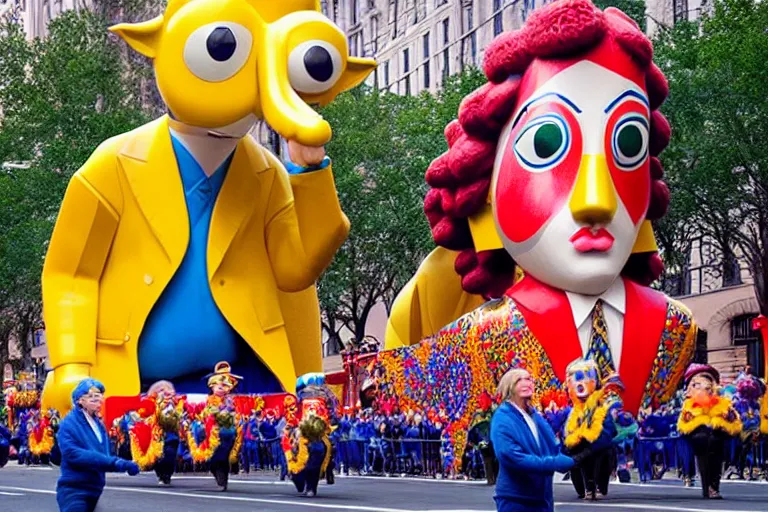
<point x="186" y="334"/>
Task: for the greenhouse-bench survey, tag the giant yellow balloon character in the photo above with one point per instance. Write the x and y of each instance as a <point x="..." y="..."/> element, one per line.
<point x="183" y="242"/>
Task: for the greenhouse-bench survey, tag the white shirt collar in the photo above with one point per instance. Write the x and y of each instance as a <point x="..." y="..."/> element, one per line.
<point x="582" y="305"/>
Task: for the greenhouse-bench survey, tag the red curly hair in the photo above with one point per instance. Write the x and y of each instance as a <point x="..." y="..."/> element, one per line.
<point x="460" y="179"/>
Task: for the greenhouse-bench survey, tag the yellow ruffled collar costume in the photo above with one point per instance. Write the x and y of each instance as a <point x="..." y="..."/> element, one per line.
<point x="718" y="415"/>
<point x="585" y="421"/>
<point x="764" y="415"/>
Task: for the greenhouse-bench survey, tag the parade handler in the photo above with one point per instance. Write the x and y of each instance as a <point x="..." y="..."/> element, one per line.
<point x="85" y="456"/>
<point x="184" y="242"/>
<point x="706" y="422"/>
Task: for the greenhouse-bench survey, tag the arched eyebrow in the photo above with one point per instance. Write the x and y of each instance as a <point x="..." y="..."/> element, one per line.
<point x="628" y="93"/>
<point x="562" y="98"/>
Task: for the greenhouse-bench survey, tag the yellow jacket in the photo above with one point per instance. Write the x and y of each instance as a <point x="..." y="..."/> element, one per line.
<point x="121" y="235"/>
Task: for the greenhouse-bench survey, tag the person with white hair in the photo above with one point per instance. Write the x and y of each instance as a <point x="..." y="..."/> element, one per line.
<point x="525" y="447"/>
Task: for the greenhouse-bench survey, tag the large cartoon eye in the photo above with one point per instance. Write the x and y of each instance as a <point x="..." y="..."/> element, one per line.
<point x="543" y="142"/>
<point x="630" y="141"/>
<point x="314" y="67"/>
<point x="215" y="52"/>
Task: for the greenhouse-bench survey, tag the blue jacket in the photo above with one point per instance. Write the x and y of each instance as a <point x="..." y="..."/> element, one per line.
<point x="84" y="459"/>
<point x="526" y="468"/>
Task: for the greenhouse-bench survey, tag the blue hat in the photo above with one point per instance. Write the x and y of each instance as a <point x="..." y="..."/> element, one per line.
<point x="84" y="387"/>
<point x="310" y="379"/>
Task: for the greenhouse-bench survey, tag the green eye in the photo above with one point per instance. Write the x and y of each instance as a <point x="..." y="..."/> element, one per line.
<point x="630" y="141"/>
<point x="547" y="140"/>
<point x="542" y="143"/>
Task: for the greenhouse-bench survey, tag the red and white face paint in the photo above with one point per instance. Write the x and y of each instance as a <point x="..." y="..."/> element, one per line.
<point x="571" y="179"/>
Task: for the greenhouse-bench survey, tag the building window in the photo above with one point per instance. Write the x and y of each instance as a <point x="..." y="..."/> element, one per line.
<point x="473" y="34"/>
<point x="386" y="75"/>
<point x="498" y="18"/>
<point x="353" y="45"/>
<point x="446" y="64"/>
<point x="406" y="71"/>
<point x="427" y="78"/>
<point x="446" y="26"/>
<point x="374" y="35"/>
<point x="393" y="8"/>
<point x="354" y="14"/>
<point x="681" y="10"/>
<point x="741" y="330"/>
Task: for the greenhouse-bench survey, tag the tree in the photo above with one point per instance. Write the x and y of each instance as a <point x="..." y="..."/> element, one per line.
<point x="382" y="146"/>
<point x="635" y="9"/>
<point x="60" y="97"/>
<point x="718" y="160"/>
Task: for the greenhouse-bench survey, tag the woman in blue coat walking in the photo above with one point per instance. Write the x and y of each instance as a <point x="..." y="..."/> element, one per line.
<point x="85" y="456"/>
<point x="526" y="449"/>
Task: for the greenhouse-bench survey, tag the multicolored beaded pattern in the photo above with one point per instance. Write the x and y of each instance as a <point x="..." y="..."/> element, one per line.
<point x="453" y="369"/>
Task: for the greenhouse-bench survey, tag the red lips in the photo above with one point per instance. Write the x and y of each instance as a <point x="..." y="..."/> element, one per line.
<point x="587" y="240"/>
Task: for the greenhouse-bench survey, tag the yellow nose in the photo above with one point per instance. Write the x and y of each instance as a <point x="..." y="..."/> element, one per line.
<point x="593" y="200"/>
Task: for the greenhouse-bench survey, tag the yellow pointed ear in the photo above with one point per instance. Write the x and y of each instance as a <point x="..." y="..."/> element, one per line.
<point x="483" y="229"/>
<point x="142" y="37"/>
<point x="357" y="70"/>
<point x="646" y="240"/>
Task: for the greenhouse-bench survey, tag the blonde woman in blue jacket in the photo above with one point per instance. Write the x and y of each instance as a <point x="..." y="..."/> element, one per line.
<point x="526" y="449"/>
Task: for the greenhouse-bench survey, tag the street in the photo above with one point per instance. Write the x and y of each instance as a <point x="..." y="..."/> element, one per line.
<point x="32" y="489"/>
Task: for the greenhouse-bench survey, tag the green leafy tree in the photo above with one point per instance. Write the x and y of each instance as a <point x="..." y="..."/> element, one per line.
<point x="635" y="9"/>
<point x="60" y="97"/>
<point x="717" y="163"/>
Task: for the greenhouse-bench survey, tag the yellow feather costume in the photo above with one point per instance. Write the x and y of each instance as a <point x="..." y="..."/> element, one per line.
<point x="585" y="421"/>
<point x="719" y="416"/>
<point x="764" y="415"/>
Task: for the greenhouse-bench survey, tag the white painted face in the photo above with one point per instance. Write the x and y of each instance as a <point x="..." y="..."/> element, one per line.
<point x="571" y="181"/>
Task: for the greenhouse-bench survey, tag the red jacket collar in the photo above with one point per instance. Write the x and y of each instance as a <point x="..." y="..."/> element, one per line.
<point x="548" y="315"/>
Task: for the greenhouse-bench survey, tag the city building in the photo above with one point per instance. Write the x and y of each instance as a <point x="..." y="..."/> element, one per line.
<point x="418" y="43"/>
<point x="35" y="14"/>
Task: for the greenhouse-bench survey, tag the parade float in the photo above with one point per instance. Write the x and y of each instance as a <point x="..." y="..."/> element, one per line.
<point x="571" y="107"/>
<point x="184" y="242"/>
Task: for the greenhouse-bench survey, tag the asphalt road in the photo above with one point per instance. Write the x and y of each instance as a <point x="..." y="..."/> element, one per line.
<point x="25" y="489"/>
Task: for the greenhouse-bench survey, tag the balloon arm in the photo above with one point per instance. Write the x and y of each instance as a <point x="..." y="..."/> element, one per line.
<point x="305" y="228"/>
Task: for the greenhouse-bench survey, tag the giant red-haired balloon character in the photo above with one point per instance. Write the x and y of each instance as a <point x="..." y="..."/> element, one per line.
<point x="552" y="169"/>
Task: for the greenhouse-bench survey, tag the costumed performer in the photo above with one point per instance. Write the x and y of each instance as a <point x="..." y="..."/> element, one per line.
<point x="155" y="442"/>
<point x="526" y="449"/>
<point x="706" y="422"/>
<point x="85" y="457"/>
<point x="590" y="426"/>
<point x="184" y="242"/>
<point x="217" y="436"/>
<point x="572" y="107"/>
<point x="306" y="441"/>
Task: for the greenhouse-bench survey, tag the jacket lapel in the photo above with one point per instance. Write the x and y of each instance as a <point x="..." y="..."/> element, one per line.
<point x="151" y="169"/>
<point x="644" y="324"/>
<point x="236" y="200"/>
<point x="548" y="316"/>
<point x="533" y="446"/>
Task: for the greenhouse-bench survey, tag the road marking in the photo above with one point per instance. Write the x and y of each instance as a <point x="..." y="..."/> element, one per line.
<point x="643" y="506"/>
<point x="3" y="493"/>
<point x="234" y="480"/>
<point x="413" y="479"/>
<point x="304" y="503"/>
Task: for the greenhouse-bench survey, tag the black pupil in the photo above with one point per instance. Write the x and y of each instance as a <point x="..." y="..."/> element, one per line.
<point x="630" y="141"/>
<point x="319" y="63"/>
<point x="547" y="140"/>
<point x="221" y="44"/>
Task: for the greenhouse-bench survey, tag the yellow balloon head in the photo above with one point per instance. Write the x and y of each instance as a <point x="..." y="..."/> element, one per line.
<point x="218" y="62"/>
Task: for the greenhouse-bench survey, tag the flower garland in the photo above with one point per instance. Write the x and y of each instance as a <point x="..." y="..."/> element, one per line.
<point x="298" y="461"/>
<point x="235" y="452"/>
<point x="146" y="459"/>
<point x="720" y="415"/>
<point x="42" y="446"/>
<point x="585" y="422"/>
<point x="204" y="451"/>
